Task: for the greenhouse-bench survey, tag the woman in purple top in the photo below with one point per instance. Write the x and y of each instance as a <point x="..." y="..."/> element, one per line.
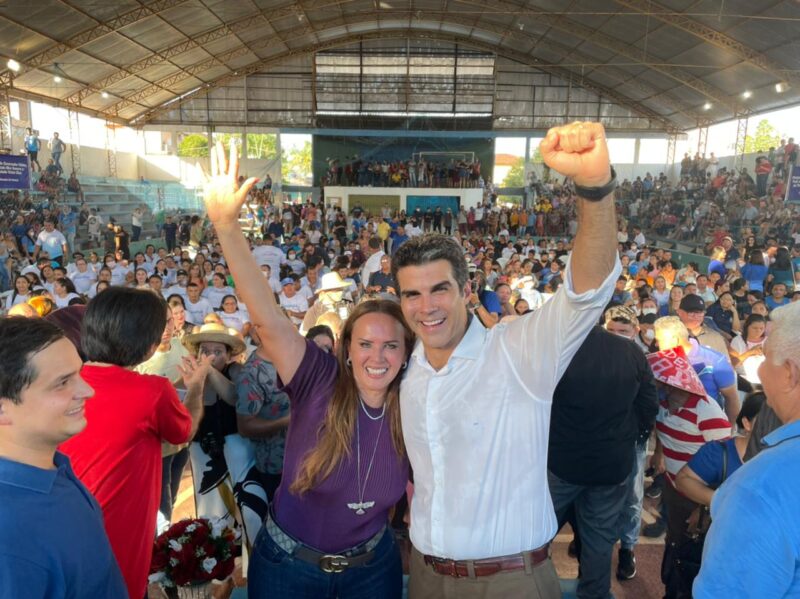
<point x="344" y="465"/>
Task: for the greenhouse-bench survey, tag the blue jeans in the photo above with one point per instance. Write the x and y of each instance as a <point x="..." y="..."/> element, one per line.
<point x="630" y="518"/>
<point x="597" y="511"/>
<point x="275" y="573"/>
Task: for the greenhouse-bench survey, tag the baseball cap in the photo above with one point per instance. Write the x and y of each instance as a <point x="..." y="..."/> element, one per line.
<point x="287" y="281"/>
<point x="692" y="303"/>
<point x="182" y="272"/>
<point x="623" y="312"/>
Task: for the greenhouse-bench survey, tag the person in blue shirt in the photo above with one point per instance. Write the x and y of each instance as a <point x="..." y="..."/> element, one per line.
<point x="753" y="546"/>
<point x="483" y="302"/>
<point x="755" y="271"/>
<point x="708" y="468"/>
<point x="398" y="237"/>
<point x="777" y="297"/>
<point x="52" y="541"/>
<point x="32" y="147"/>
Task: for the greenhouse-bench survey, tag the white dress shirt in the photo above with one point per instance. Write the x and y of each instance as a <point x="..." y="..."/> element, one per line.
<point x="477" y="430"/>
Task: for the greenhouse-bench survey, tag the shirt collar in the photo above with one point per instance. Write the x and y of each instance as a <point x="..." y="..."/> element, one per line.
<point x="469" y="348"/>
<point x="787" y="431"/>
<point x="30" y="477"/>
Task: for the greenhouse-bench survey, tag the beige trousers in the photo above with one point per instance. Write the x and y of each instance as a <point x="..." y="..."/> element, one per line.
<point x="540" y="583"/>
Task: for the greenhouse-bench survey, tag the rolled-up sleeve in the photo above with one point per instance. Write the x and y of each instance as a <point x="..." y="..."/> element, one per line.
<point x="542" y="344"/>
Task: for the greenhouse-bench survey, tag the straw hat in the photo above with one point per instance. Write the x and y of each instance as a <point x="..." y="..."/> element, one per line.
<point x="332" y="281"/>
<point x="216" y="333"/>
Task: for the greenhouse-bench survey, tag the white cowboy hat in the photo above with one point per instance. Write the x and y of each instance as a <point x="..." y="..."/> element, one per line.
<point x="332" y="281"/>
<point x="216" y="333"/>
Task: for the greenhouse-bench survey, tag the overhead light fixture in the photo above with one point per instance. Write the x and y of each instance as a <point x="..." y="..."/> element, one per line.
<point x="57" y="79"/>
<point x="780" y="87"/>
<point x="13" y="65"/>
<point x="707" y="106"/>
<point x="104" y="95"/>
<point x="746" y="94"/>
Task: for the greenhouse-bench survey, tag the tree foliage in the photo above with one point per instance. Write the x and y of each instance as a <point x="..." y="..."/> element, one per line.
<point x="515" y="176"/>
<point x="262" y="146"/>
<point x="194" y="145"/>
<point x="766" y="136"/>
<point x="296" y="165"/>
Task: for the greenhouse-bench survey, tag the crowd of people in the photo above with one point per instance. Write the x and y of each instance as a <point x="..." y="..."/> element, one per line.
<point x="417" y="172"/>
<point x="259" y="359"/>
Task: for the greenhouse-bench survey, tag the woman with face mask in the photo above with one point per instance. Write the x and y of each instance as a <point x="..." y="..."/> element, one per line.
<point x="298" y="266"/>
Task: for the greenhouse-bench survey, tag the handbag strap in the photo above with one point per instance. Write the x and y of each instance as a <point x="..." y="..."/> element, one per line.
<point x="724" y="461"/>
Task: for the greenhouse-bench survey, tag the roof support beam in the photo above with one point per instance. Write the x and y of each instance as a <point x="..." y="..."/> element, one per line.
<point x="236" y="27"/>
<point x="581" y="31"/>
<point x="714" y="37"/>
<point x="48" y="55"/>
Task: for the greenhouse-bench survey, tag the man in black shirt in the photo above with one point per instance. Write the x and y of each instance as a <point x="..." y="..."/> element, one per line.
<point x="604" y="403"/>
<point x="382" y="281"/>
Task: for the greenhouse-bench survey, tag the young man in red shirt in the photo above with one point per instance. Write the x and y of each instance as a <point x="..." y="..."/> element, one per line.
<point x="118" y="454"/>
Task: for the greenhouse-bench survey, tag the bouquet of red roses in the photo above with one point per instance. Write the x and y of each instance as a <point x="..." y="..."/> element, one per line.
<point x="193" y="552"/>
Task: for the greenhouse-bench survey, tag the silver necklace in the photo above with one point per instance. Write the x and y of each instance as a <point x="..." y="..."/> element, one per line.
<point x="373" y="418"/>
<point x="361" y="506"/>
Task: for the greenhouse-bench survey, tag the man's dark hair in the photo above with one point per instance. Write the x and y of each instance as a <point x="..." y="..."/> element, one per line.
<point x="122" y="325"/>
<point x="374" y="243"/>
<point x="428" y="248"/>
<point x="20" y="339"/>
<point x="320" y="329"/>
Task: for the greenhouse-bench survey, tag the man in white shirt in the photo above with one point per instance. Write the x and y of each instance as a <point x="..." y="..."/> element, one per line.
<point x="373" y="263"/>
<point x="638" y="237"/>
<point x="413" y="230"/>
<point x="482" y="517"/>
<point x="293" y="303"/>
<point x="51" y="241"/>
<point x="267" y="253"/>
<point x="83" y="277"/>
<point x="197" y="308"/>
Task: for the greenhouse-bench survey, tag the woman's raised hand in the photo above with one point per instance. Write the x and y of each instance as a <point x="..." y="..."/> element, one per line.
<point x="222" y="195"/>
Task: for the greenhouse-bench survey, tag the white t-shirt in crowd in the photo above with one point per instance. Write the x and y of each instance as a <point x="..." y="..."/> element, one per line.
<point x="296" y="303"/>
<point x="214" y="295"/>
<point x="269" y="254"/>
<point x="195" y="313"/>
<point x="235" y="320"/>
<point x="83" y="281"/>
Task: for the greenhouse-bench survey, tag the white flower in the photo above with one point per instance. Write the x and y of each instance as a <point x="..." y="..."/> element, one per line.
<point x="192" y="527"/>
<point x="218" y="526"/>
<point x="174" y="545"/>
<point x="208" y="564"/>
<point x="157" y="577"/>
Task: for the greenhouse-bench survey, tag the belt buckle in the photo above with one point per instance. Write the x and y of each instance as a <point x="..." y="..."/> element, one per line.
<point x="333" y="564"/>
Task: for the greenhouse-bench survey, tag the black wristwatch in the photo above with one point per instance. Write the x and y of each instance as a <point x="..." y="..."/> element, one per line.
<point x="595" y="194"/>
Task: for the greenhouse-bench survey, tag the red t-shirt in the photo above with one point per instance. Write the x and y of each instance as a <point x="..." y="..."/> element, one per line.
<point x="118" y="457"/>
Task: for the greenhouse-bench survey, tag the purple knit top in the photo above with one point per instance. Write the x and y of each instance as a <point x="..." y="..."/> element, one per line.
<point x="321" y="517"/>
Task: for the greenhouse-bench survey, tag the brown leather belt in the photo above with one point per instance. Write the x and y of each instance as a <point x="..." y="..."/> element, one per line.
<point x="489" y="566"/>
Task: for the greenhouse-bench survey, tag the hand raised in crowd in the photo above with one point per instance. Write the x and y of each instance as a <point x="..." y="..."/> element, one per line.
<point x="221" y="191"/>
<point x="194" y="371"/>
<point x="578" y="150"/>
